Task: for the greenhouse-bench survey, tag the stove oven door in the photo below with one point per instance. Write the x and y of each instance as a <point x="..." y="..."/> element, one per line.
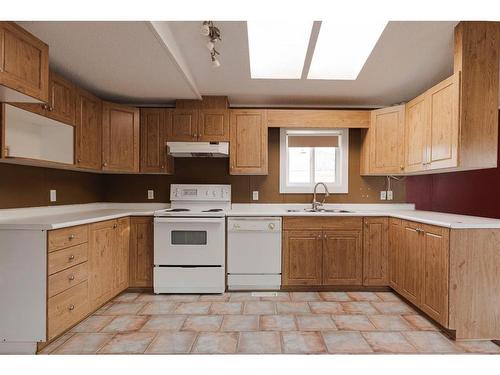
<point x="193" y="241"/>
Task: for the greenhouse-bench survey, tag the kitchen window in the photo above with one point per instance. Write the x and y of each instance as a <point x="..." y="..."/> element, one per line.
<point x="311" y="156"/>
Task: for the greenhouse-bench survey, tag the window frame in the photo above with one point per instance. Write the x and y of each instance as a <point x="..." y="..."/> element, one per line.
<point x="341" y="158"/>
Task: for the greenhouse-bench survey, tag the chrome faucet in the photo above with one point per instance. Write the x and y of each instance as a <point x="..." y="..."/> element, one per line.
<point x="316" y="206"/>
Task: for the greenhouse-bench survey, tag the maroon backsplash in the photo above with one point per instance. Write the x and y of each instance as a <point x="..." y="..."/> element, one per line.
<point x="470" y="193"/>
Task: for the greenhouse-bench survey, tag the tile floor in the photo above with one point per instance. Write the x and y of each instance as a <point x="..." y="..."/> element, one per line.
<point x="299" y="323"/>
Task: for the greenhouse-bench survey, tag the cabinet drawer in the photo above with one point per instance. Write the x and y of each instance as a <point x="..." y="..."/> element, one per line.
<point x="62" y="259"/>
<point x="66" y="279"/>
<point x="320" y="223"/>
<point x="62" y="238"/>
<point x="67" y="309"/>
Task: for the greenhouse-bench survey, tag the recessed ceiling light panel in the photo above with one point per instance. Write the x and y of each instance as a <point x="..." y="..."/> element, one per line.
<point x="278" y="48"/>
<point x="343" y="47"/>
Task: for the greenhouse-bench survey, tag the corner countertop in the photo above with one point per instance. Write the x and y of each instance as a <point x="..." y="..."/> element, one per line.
<point x="55" y="217"/>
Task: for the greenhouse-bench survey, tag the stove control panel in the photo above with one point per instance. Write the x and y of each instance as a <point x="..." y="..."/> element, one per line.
<point x="188" y="192"/>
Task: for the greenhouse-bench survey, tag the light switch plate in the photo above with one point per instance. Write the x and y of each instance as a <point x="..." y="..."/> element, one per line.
<point x="255" y="195"/>
<point x="53" y="195"/>
<point x="383" y="195"/>
<point x="151" y="194"/>
<point x="389" y="195"/>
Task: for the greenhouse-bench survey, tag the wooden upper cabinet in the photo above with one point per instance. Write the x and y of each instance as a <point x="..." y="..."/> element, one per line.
<point x="120" y="139"/>
<point x="416" y="134"/>
<point x="24" y="65"/>
<point x="62" y="100"/>
<point x="443" y="129"/>
<point x="302" y="258"/>
<point x="375" y="248"/>
<point x="154" y="124"/>
<point x="385" y="141"/>
<point x="184" y="125"/>
<point x="342" y="257"/>
<point x="248" y="148"/>
<point x="88" y="120"/>
<point x="435" y="272"/>
<point x="141" y="252"/>
<point x="213" y="125"/>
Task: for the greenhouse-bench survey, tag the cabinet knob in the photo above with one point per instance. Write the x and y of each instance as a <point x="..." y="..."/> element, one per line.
<point x="71" y="257"/>
<point x="71" y="237"/>
<point x="104" y="164"/>
<point x="71" y="277"/>
<point x="115" y="226"/>
<point x="402" y="167"/>
<point x="71" y="307"/>
<point x="319" y="235"/>
<point x="79" y="160"/>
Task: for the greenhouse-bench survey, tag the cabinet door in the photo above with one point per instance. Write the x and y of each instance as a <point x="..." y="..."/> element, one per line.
<point x="375" y="240"/>
<point x="248" y="132"/>
<point x="435" y="260"/>
<point x="24" y="62"/>
<point x="342" y="257"/>
<point x="442" y="137"/>
<point x="395" y="254"/>
<point x="141" y="252"/>
<point x="121" y="255"/>
<point x="62" y="102"/>
<point x="88" y="131"/>
<point x="416" y="134"/>
<point x="302" y="258"/>
<point x="102" y="240"/>
<point x="120" y="139"/>
<point x="184" y="125"/>
<point x="412" y="259"/>
<point x="213" y="125"/>
<point x="153" y="153"/>
<point x="387" y="140"/>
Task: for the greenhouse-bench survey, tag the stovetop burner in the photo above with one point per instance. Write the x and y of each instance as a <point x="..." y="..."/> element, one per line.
<point x="213" y="210"/>
<point x="178" y="210"/>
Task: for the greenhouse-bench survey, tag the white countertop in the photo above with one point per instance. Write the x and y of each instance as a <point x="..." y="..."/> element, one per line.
<point x="54" y="217"/>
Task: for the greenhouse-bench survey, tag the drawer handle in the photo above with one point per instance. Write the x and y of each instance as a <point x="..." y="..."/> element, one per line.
<point x="71" y="277"/>
<point x="71" y="257"/>
<point x="71" y="307"/>
<point x="71" y="237"/>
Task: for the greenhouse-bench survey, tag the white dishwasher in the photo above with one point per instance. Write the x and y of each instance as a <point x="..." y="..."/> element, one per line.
<point x="253" y="253"/>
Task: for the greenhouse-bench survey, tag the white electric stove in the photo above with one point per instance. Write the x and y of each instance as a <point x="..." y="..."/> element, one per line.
<point x="190" y="240"/>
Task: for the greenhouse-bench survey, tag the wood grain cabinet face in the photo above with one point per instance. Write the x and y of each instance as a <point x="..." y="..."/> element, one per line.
<point x="435" y="273"/>
<point x="24" y="62"/>
<point x="386" y="142"/>
<point x="120" y="140"/>
<point x="184" y="125"/>
<point x="342" y="258"/>
<point x="102" y="240"/>
<point x="412" y="262"/>
<point x="62" y="100"/>
<point x="213" y="125"/>
<point x="141" y="252"/>
<point x="416" y="134"/>
<point x="88" y="122"/>
<point x="395" y="255"/>
<point x="302" y="258"/>
<point x="154" y="129"/>
<point x="375" y="248"/>
<point x="248" y="148"/>
<point x="121" y="255"/>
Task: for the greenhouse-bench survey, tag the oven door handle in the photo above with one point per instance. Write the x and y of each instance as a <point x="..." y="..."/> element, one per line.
<point x="190" y="220"/>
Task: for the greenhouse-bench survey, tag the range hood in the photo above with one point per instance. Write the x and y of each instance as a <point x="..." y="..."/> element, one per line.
<point x="198" y="149"/>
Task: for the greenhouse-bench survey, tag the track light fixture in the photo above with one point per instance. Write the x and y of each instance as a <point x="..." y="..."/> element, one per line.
<point x="209" y="30"/>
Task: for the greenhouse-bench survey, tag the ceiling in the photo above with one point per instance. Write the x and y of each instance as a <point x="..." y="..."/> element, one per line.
<point x="158" y="62"/>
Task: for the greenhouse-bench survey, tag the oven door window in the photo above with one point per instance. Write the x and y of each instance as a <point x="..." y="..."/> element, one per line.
<point x="188" y="237"/>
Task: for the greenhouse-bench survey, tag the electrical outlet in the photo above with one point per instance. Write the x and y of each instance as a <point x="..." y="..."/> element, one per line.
<point x="389" y="195"/>
<point x="151" y="194"/>
<point x="383" y="195"/>
<point x="53" y="196"/>
<point x="255" y="195"/>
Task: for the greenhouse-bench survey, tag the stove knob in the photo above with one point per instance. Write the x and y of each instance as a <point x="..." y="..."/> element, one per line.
<point x="271" y="226"/>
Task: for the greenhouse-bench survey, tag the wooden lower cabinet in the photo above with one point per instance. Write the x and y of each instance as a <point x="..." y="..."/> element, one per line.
<point x="302" y="258"/>
<point x="375" y="246"/>
<point x="121" y="255"/>
<point x="141" y="252"/>
<point x="342" y="257"/>
<point x="419" y="266"/>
